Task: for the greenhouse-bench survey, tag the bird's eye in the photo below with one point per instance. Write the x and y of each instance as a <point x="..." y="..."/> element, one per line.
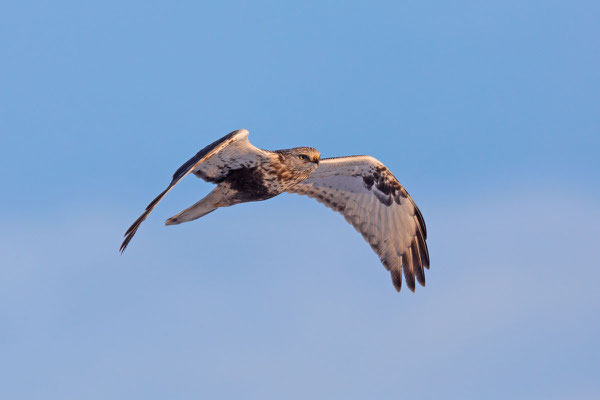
<point x="303" y="157"/>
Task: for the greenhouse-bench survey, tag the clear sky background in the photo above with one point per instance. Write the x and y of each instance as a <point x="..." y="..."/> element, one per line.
<point x="487" y="112"/>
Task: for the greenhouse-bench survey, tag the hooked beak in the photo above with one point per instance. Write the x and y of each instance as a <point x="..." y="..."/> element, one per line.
<point x="316" y="160"/>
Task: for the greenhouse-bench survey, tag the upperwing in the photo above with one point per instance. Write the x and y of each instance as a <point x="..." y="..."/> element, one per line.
<point x="373" y="201"/>
<point x="212" y="163"/>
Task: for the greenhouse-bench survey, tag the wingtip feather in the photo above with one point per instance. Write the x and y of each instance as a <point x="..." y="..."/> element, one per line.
<point x="396" y="279"/>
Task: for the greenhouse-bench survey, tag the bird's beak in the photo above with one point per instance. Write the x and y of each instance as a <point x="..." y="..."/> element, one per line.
<point x="316" y="160"/>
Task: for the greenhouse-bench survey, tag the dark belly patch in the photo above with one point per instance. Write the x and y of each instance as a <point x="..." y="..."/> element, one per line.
<point x="249" y="183"/>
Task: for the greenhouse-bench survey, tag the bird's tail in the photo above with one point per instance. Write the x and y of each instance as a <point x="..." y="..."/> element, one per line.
<point x="200" y="209"/>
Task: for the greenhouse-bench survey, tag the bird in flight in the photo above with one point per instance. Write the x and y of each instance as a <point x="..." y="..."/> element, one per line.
<point x="359" y="187"/>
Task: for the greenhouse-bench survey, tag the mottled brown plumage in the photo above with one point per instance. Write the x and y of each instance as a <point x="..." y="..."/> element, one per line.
<point x="359" y="187"/>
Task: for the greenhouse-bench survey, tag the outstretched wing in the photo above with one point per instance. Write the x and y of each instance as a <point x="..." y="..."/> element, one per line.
<point x="374" y="202"/>
<point x="212" y="164"/>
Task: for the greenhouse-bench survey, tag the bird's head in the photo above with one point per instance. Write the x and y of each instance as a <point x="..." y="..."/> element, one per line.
<point x="305" y="159"/>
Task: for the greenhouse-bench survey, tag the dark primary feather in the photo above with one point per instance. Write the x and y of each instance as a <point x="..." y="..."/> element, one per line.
<point x="134" y="227"/>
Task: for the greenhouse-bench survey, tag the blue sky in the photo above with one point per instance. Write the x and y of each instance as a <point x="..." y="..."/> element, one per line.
<point x="487" y="113"/>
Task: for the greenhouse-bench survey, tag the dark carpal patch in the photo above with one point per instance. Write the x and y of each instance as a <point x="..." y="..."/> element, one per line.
<point x="386" y="183"/>
<point x="388" y="187"/>
<point x="384" y="198"/>
<point x="249" y="184"/>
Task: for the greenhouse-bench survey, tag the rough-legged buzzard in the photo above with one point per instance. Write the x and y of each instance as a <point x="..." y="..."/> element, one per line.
<point x="359" y="187"/>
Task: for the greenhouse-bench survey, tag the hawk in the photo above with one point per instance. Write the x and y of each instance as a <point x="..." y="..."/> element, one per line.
<point x="361" y="188"/>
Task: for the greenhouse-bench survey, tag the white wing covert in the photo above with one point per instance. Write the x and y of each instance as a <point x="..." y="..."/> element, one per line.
<point x="212" y="164"/>
<point x="375" y="203"/>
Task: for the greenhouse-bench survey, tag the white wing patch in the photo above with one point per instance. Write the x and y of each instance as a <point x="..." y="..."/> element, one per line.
<point x="373" y="201"/>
